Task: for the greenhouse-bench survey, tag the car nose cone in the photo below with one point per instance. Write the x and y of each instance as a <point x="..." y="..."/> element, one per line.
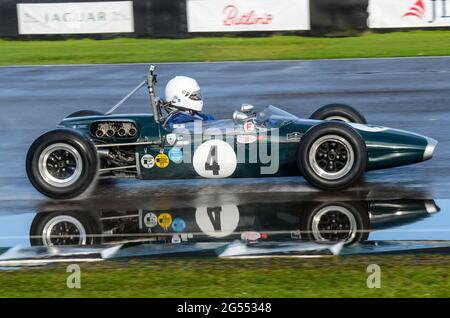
<point x="429" y="150"/>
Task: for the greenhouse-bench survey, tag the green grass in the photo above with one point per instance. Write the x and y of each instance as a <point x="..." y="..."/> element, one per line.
<point x="401" y="276"/>
<point x="122" y="50"/>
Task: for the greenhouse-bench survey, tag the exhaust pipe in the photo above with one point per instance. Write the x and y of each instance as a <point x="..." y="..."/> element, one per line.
<point x="122" y="132"/>
<point x="132" y="132"/>
<point x="99" y="133"/>
<point x="110" y="132"/>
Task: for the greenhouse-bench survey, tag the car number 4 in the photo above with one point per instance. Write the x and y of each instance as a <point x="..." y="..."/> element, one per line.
<point x="215" y="159"/>
<point x="211" y="162"/>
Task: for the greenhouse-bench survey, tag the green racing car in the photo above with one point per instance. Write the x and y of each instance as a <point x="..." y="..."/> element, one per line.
<point x="331" y="149"/>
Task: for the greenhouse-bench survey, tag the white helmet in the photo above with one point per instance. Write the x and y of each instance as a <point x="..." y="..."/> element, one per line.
<point x="184" y="92"/>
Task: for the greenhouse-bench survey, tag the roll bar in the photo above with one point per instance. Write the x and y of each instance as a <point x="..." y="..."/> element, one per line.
<point x="151" y="85"/>
<point x="150" y="81"/>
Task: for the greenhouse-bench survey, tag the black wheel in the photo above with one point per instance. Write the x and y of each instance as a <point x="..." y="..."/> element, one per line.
<point x="346" y="222"/>
<point x="332" y="156"/>
<point x="339" y="112"/>
<point x="84" y="113"/>
<point x="64" y="228"/>
<point x="62" y="164"/>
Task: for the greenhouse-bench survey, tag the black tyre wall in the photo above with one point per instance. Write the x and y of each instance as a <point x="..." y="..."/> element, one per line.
<point x="340" y="110"/>
<point x="88" y="155"/>
<point x="358" y="209"/>
<point x="332" y="128"/>
<point x="90" y="223"/>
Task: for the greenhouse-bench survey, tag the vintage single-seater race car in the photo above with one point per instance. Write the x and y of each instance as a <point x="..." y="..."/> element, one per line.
<point x="331" y="149"/>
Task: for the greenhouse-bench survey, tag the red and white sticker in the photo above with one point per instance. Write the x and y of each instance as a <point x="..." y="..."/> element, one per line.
<point x="249" y="126"/>
<point x="250" y="236"/>
<point x="246" y="139"/>
<point x="171" y="139"/>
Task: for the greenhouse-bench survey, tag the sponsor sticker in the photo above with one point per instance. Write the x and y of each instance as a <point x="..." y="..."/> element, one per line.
<point x="150" y="219"/>
<point x="171" y="139"/>
<point x="147" y="161"/>
<point x="296" y="235"/>
<point x="178" y="126"/>
<point x="246" y="139"/>
<point x="294" y="136"/>
<point x="176" y="154"/>
<point x="249" y="126"/>
<point x="161" y="160"/>
<point x="165" y="220"/>
<point x="178" y="225"/>
<point x="182" y="143"/>
<point x="250" y="236"/>
<point x="176" y="239"/>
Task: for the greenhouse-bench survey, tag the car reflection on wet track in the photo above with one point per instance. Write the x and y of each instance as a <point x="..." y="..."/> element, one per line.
<point x="322" y="222"/>
<point x="230" y="226"/>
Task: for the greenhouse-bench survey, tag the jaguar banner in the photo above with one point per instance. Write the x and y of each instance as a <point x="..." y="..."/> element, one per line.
<point x="75" y="17"/>
<point x="247" y="15"/>
<point x="408" y="13"/>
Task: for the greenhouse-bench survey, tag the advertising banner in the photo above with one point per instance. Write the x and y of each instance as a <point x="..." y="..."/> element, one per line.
<point x="408" y="13"/>
<point x="247" y="15"/>
<point x="75" y="17"/>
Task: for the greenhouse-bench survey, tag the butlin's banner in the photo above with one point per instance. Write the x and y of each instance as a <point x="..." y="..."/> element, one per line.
<point x="75" y="17"/>
<point x="408" y="13"/>
<point x="247" y="15"/>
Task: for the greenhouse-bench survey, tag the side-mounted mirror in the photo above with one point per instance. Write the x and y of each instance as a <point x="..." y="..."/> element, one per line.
<point x="239" y="117"/>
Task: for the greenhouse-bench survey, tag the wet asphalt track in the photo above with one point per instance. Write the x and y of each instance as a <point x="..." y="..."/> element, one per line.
<point x="411" y="94"/>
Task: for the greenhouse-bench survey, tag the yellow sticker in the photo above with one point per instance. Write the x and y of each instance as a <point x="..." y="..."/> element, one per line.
<point x="161" y="160"/>
<point x="164" y="220"/>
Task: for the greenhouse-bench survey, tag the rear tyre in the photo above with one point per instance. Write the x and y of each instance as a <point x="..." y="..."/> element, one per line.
<point x="67" y="228"/>
<point x="84" y="113"/>
<point x="62" y="164"/>
<point x="329" y="222"/>
<point x="339" y="112"/>
<point x="332" y="156"/>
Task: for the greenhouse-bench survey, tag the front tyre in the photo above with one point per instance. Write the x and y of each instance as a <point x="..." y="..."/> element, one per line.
<point x="339" y="112"/>
<point x="62" y="164"/>
<point x="332" y="156"/>
<point x="332" y="222"/>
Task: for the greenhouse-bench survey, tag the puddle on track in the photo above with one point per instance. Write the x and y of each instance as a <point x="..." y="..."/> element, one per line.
<point x="244" y="225"/>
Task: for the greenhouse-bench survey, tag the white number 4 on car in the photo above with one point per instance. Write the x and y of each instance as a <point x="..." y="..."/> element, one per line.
<point x="215" y="159"/>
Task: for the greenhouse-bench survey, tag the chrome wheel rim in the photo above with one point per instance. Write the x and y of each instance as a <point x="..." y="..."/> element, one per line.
<point x="331" y="157"/>
<point x="64" y="230"/>
<point x="338" y="118"/>
<point x="334" y="223"/>
<point x="60" y="165"/>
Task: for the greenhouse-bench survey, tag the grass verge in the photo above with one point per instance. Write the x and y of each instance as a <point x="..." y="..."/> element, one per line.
<point x="123" y="50"/>
<point x="401" y="276"/>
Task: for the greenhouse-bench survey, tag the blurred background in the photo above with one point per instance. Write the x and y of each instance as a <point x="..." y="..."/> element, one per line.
<point x="58" y="57"/>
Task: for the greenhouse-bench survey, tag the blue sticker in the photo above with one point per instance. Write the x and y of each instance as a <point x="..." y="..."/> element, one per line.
<point x="178" y="225"/>
<point x="176" y="154"/>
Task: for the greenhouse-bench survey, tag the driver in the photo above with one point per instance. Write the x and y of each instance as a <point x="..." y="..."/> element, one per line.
<point x="184" y="101"/>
